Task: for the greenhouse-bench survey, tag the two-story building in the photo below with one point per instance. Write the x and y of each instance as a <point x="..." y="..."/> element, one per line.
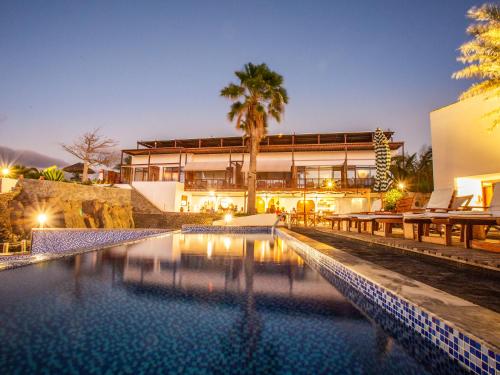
<point x="307" y="172"/>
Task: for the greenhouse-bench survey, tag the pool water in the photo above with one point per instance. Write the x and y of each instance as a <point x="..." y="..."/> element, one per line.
<point x="190" y="303"/>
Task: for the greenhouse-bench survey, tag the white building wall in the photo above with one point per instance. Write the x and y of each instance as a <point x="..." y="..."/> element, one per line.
<point x="163" y="158"/>
<point x="465" y="150"/>
<point x="165" y="195"/>
<point x="7" y="184"/>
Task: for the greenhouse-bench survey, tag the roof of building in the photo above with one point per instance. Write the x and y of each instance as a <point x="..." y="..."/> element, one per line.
<point x="270" y="143"/>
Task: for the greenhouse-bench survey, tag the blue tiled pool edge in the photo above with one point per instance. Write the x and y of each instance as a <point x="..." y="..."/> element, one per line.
<point x="43" y="256"/>
<point x="200" y="228"/>
<point x="63" y="240"/>
<point x="459" y="345"/>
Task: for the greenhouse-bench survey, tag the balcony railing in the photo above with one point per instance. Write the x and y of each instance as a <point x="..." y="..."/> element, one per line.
<point x="210" y="184"/>
<point x="281" y="184"/>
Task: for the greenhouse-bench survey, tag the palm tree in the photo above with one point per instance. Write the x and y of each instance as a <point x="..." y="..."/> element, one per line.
<point x="424" y="181"/>
<point x="414" y="170"/>
<point x="403" y="167"/>
<point x="257" y="96"/>
<point x="482" y="55"/>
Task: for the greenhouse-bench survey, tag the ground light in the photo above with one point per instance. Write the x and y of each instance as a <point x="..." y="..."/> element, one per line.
<point x="228" y="218"/>
<point x="42" y="219"/>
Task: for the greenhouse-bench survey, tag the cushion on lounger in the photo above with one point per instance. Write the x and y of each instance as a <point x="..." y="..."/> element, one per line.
<point x="376" y="205"/>
<point x="372" y="217"/>
<point x="495" y="200"/>
<point x="440" y="198"/>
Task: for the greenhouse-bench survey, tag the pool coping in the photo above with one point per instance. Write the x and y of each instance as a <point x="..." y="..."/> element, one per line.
<point x="445" y="320"/>
<point x="14" y="261"/>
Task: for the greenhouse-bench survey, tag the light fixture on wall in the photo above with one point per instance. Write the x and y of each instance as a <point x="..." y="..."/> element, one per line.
<point x="362" y="173"/>
<point x="41" y="219"/>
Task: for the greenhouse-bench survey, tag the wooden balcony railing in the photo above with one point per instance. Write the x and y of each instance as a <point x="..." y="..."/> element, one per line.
<point x="210" y="184"/>
<point x="281" y="184"/>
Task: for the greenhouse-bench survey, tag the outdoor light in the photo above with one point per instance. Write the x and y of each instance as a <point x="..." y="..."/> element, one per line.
<point x="329" y="184"/>
<point x="212" y="193"/>
<point x="227" y="243"/>
<point x="210" y="249"/>
<point x="362" y="173"/>
<point x="228" y="218"/>
<point x="42" y="219"/>
<point x="5" y="171"/>
<point x="401" y="186"/>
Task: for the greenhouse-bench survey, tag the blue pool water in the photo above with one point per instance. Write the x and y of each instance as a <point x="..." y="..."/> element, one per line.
<point x="195" y="304"/>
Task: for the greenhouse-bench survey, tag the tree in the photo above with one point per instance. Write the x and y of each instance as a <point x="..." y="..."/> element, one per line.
<point x="27" y="172"/>
<point x="258" y="96"/>
<point x="414" y="171"/>
<point x="482" y="56"/>
<point x="93" y="149"/>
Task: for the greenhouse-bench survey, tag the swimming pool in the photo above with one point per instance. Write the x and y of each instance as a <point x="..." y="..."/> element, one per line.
<point x="197" y="303"/>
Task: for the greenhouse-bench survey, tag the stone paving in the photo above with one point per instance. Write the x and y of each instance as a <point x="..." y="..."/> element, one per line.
<point x="474" y="257"/>
<point x="477" y="285"/>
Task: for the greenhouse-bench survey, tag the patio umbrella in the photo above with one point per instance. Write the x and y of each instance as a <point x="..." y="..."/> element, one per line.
<point x="382" y="162"/>
<point x="76" y="168"/>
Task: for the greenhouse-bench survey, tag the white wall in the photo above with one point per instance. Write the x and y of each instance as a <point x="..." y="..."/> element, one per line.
<point x="165" y="195"/>
<point x="163" y="158"/>
<point x="7" y="184"/>
<point x="462" y="143"/>
<point x="364" y="158"/>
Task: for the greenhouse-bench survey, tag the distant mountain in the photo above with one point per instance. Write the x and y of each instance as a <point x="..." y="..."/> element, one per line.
<point x="28" y="158"/>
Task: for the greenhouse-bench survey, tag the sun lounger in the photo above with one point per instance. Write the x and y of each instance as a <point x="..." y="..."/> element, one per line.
<point x="434" y="210"/>
<point x="372" y="221"/>
<point x="338" y="219"/>
<point x="469" y="220"/>
<point x="386" y="223"/>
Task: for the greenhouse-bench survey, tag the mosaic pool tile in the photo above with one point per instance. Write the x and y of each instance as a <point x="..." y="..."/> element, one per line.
<point x="58" y="241"/>
<point x="460" y="346"/>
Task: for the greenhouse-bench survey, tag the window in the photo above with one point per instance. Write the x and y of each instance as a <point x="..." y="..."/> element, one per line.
<point x="126" y="175"/>
<point x="170" y="174"/>
<point x="140" y="174"/>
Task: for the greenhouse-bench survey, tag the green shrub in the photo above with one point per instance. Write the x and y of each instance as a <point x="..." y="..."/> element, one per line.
<point x="53" y="174"/>
<point x="391" y="199"/>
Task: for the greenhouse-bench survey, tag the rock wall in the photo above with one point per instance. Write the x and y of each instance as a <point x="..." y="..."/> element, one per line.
<point x="67" y="205"/>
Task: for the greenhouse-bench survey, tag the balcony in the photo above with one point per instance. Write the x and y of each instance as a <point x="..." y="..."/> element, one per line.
<point x="211" y="184"/>
<point x="282" y="184"/>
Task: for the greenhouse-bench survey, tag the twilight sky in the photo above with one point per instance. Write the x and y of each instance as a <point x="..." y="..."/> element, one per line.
<point x="153" y="69"/>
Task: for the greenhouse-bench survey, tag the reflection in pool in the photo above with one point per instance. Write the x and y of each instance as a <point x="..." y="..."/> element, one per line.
<point x="188" y="303"/>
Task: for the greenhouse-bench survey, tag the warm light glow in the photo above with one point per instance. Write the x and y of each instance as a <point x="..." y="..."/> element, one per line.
<point x="42" y="219"/>
<point x="210" y="249"/>
<point x="362" y="173"/>
<point x="228" y="218"/>
<point x="212" y="193"/>
<point x="5" y="171"/>
<point x="329" y="184"/>
<point x="227" y="243"/>
<point x="401" y="186"/>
